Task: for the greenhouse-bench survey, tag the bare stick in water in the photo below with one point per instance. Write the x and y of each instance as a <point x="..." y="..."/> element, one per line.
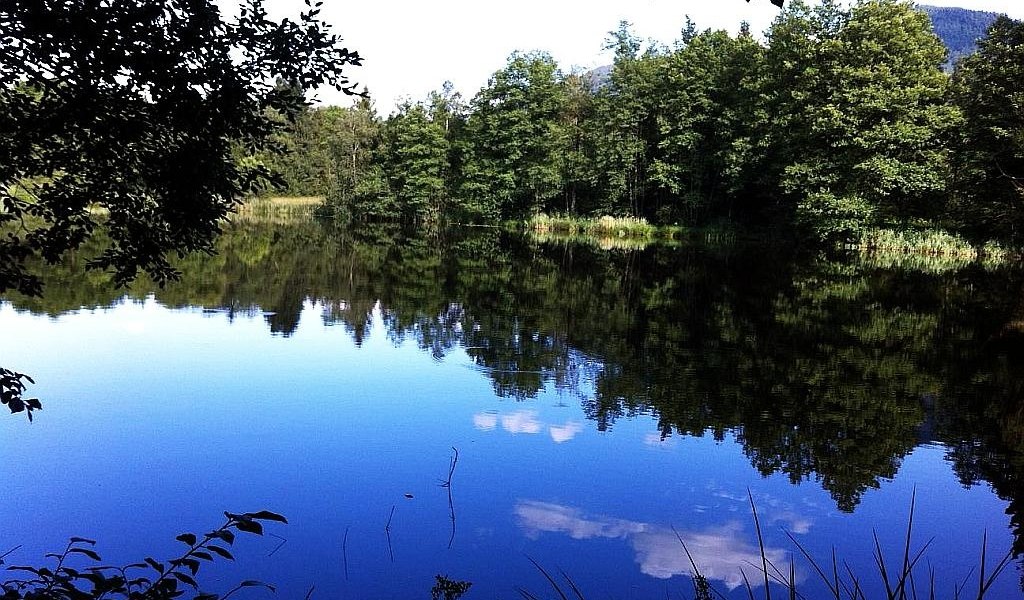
<point x="387" y="532"/>
<point x="448" y="484"/>
<point x="278" y="547"/>
<point x="344" y="551"/>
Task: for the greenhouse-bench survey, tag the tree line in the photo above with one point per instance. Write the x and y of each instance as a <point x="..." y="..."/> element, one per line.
<point x="841" y="120"/>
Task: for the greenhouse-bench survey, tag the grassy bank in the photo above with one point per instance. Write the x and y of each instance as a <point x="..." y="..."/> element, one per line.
<point x="277" y="209"/>
<point x="605" y="231"/>
<point x="928" y="250"/>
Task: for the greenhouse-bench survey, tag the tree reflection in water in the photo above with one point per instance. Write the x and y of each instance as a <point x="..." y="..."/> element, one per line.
<point x="822" y="368"/>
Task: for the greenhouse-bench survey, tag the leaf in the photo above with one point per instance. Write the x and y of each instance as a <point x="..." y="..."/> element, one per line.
<point x="221" y="551"/>
<point x="159" y="567"/>
<point x="29" y="569"/>
<point x="202" y="555"/>
<point x="192" y="564"/>
<point x="90" y="553"/>
<point x="254" y="583"/>
<point x="186" y="579"/>
<point x="251" y="527"/>
<point x="82" y="540"/>
<point x="189" y="539"/>
<point x="266" y="515"/>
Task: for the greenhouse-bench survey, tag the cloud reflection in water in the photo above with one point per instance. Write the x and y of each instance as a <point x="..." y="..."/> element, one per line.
<point x="719" y="552"/>
<point x="526" y="421"/>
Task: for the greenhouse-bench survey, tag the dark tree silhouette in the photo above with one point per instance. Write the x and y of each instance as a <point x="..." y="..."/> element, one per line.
<point x="137" y="113"/>
<point x="140" y="115"/>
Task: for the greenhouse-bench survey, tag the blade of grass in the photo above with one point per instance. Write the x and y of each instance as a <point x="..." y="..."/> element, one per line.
<point x="550" y="579"/>
<point x="880" y="563"/>
<point x="760" y="543"/>
<point x="814" y="563"/>
<point x="746" y="583"/>
<point x="573" y="586"/>
<point x="906" y="545"/>
<point x="983" y="583"/>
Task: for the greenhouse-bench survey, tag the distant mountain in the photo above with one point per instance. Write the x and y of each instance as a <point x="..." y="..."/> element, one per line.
<point x="959" y="28"/>
<point x="598" y="77"/>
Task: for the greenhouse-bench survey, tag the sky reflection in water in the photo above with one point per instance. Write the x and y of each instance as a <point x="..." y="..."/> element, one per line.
<point x="165" y="417"/>
<point x="156" y="419"/>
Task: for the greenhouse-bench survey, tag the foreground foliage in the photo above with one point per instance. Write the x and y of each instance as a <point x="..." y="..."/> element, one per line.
<point x="147" y="580"/>
<point x="138" y="112"/>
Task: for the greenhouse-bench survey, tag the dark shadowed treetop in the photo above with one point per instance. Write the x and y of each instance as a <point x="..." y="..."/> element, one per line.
<point x="139" y="115"/>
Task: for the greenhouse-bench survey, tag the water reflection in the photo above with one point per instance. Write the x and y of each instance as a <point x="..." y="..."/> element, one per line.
<point x="823" y="369"/>
<point x="720" y="552"/>
<point x="526" y="421"/>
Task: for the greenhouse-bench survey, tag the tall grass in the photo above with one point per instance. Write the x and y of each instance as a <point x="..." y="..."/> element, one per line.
<point x="278" y="209"/>
<point x="905" y="582"/>
<point x="928" y="250"/>
<point x="606" y="226"/>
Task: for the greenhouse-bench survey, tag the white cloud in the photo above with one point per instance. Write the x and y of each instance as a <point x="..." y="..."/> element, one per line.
<point x="564" y="433"/>
<point x="719" y="552"/>
<point x="485" y="421"/>
<point x="522" y="421"/>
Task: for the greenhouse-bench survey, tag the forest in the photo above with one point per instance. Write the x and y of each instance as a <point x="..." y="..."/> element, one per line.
<point x="841" y="122"/>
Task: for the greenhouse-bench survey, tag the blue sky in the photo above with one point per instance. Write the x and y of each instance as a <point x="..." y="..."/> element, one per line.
<point x="411" y="47"/>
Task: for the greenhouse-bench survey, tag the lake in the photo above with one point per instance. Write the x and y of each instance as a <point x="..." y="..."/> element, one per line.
<point x="589" y="404"/>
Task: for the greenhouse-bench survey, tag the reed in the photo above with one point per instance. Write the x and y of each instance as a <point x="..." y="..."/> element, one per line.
<point x="839" y="579"/>
<point x="928" y="250"/>
<point x="278" y="209"/>
<point x="606" y="226"/>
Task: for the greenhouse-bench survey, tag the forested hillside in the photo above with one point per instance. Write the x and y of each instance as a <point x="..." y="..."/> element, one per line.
<point x="959" y="28"/>
<point x="842" y="122"/>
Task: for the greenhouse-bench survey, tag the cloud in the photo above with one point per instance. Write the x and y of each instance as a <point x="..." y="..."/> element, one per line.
<point x="526" y="421"/>
<point x="485" y="421"/>
<point x="521" y="421"/>
<point x="564" y="433"/>
<point x="719" y="552"/>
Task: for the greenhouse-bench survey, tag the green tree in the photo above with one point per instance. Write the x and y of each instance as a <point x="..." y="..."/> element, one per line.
<point x="707" y="143"/>
<point x="989" y="154"/>
<point x="511" y="169"/>
<point x="626" y="125"/>
<point x="860" y="99"/>
<point x="415" y="156"/>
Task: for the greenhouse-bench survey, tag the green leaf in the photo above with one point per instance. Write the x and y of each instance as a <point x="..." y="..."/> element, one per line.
<point x="189" y="539"/>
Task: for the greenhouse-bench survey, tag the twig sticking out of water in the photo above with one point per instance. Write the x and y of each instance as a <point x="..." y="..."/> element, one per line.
<point x="387" y="532"/>
<point x="8" y="553"/>
<point x="278" y="547"/>
<point x="448" y="484"/>
<point x="344" y="551"/>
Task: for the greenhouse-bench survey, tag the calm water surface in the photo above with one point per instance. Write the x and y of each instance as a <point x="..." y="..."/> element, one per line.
<point x="600" y="401"/>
